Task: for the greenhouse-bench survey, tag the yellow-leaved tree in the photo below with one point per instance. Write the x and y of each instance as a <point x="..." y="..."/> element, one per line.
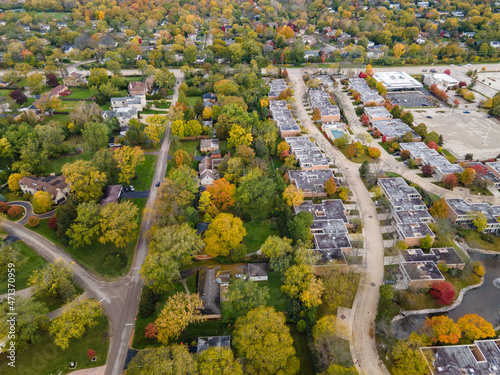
<point x="14" y="181"/>
<point x="300" y="282"/>
<point x="128" y="158"/>
<point x="293" y="196"/>
<point x="85" y="180"/>
<point x="42" y="202"/>
<point x="118" y="222"/>
<point x="239" y="136"/>
<point x="224" y="233"/>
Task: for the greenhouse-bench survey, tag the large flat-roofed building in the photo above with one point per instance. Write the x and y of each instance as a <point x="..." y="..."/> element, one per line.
<point x="408" y="210"/>
<point x="328" y="209"/>
<point x="312" y="183"/>
<point x="420" y="274"/>
<point x="283" y="119"/>
<point x="480" y="358"/>
<point x="276" y="86"/>
<point x="397" y="81"/>
<point x="366" y="94"/>
<point x="493" y="167"/>
<point x="447" y="255"/>
<point x="378" y="113"/>
<point x="490" y="174"/>
<point x="459" y="211"/>
<point x="443" y="81"/>
<point x="423" y="155"/>
<point x="321" y="100"/>
<point x="394" y="130"/>
<point x="307" y="153"/>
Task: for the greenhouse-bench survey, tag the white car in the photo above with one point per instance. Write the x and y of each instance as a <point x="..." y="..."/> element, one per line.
<point x="240" y="276"/>
<point x="132" y="188"/>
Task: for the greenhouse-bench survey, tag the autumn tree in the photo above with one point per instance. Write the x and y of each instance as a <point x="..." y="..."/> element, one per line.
<point x="443" y="291"/>
<point x="442" y="329"/>
<point x="42" y="202"/>
<point x="151" y="331"/>
<point x="224" y="234"/>
<point x="53" y="281"/>
<point x="85" y="229"/>
<point x="374" y="152"/>
<point x="218" y="361"/>
<point x="327" y="343"/>
<point x="186" y="181"/>
<point x="117" y="222"/>
<point x="222" y="194"/>
<point x="277" y="249"/>
<point x="171" y="360"/>
<point x="301" y="283"/>
<point x="407" y="357"/>
<point x="340" y="287"/>
<point x="293" y="196"/>
<point x="316" y="116"/>
<point x="179" y="310"/>
<point x="239" y="136"/>
<point x="47" y="103"/>
<point x="351" y="150"/>
<point x="170" y="249"/>
<point x="263" y="330"/>
<point x="479" y="220"/>
<point x="182" y="157"/>
<point x="51" y="80"/>
<point x="74" y="320"/>
<point x="86" y="182"/>
<point x="439" y="209"/>
<point x="427" y="170"/>
<point x="467" y="176"/>
<point x="242" y="297"/>
<point x="330" y="186"/>
<point x="128" y="159"/>
<point x="450" y="181"/>
<point x="474" y="327"/>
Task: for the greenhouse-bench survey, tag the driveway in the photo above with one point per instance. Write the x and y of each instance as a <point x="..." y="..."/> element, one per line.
<point x="135" y="194"/>
<point x="29" y="212"/>
<point x="363" y="350"/>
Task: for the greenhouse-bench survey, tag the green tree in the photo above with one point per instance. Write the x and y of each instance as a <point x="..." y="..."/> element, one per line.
<point x="172" y="360"/>
<point x="263" y="330"/>
<point x="53" y="281"/>
<point x="75" y="319"/>
<point x="277" y="250"/>
<point x="118" y="223"/>
<point x="179" y="311"/>
<point x="170" y="249"/>
<point x="86" y="182"/>
<point x="186" y="180"/>
<point x="408" y="360"/>
<point x="85" y="229"/>
<point x="35" y="82"/>
<point x="104" y="161"/>
<point x="218" y="361"/>
<point x="96" y="135"/>
<point x="421" y="130"/>
<point x="426" y="242"/>
<point x="97" y="77"/>
<point x="299" y="227"/>
<point x="407" y="118"/>
<point x="255" y="192"/>
<point x="51" y="137"/>
<point x="407" y="137"/>
<point x="242" y="297"/>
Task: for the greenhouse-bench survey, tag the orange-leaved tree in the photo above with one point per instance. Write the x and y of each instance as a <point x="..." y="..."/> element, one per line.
<point x="474" y="327"/>
<point x="443" y="329"/>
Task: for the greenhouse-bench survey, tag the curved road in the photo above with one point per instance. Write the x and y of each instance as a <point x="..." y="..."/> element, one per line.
<point x="119" y="298"/>
<point x="29" y="212"/>
<point x="363" y="350"/>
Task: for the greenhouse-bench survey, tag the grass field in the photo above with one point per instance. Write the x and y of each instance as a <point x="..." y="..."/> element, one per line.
<point x="257" y="233"/>
<point x="145" y="173"/>
<point x="33" y="262"/>
<point x="474" y="240"/>
<point x="106" y="260"/>
<point x="44" y="358"/>
<point x="79" y="93"/>
<point x="193" y="99"/>
<point x="56" y="15"/>
<point x="302" y="351"/>
<point x="55" y="165"/>
<point x="277" y="298"/>
<point x="189" y="146"/>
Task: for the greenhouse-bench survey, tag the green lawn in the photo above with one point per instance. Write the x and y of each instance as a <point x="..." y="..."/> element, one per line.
<point x="449" y="156"/>
<point x="16" y="218"/>
<point x="145" y="173"/>
<point x="56" y="15"/>
<point x="152" y="112"/>
<point x="257" y="233"/>
<point x="55" y="165"/>
<point x="33" y="262"/>
<point x="474" y="240"/>
<point x="79" y="93"/>
<point x="188" y="146"/>
<point x="161" y="104"/>
<point x="63" y="119"/>
<point x="302" y="350"/>
<point x="359" y="158"/>
<point x="4" y="92"/>
<point x="277" y="298"/>
<point x="106" y="260"/>
<point x="193" y="99"/>
<point x="45" y="358"/>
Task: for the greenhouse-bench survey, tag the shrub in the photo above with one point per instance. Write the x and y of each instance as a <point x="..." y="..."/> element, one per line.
<point x="301" y="326"/>
<point x="443" y="291"/>
<point x="426" y="170"/>
<point x="52" y="222"/>
<point x="4" y="207"/>
<point x="377" y="133"/>
<point x="486" y="237"/>
<point x="14" y="211"/>
<point x="374" y="152"/>
<point x="90" y="354"/>
<point x="443" y="267"/>
<point x="479" y="269"/>
<point x="2" y="198"/>
<point x="33" y="221"/>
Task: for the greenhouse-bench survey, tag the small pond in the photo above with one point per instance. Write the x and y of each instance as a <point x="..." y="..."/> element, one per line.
<point x="483" y="301"/>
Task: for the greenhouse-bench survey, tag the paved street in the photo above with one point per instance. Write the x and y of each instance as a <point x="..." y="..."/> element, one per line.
<point x="363" y="350"/>
<point x="120" y="298"/>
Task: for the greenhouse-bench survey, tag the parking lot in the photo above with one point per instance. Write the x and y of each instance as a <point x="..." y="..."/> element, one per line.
<point x="412" y="99"/>
<point x="463" y="133"/>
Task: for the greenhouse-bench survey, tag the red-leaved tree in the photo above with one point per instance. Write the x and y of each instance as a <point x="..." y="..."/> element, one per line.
<point x="52" y="223"/>
<point x="362" y="75"/>
<point x="90" y="354"/>
<point x="480" y="169"/>
<point x="432" y="145"/>
<point x="451" y="181"/>
<point x="4" y="207"/>
<point x="150" y="331"/>
<point x="365" y="119"/>
<point x="426" y="170"/>
<point x="443" y="292"/>
<point x="384" y="138"/>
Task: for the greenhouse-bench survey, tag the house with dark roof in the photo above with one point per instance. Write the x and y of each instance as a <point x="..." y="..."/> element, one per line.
<point x="209" y="291"/>
<point x="205" y="343"/>
<point x="257" y="271"/>
<point x="312" y="182"/>
<point x="111" y="195"/>
<point x="56" y="186"/>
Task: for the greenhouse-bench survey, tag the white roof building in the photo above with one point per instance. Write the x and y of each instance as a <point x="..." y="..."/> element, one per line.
<point x="397" y="81"/>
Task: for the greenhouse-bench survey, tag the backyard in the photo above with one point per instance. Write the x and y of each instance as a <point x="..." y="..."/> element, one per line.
<point x="145" y="173"/>
<point x="257" y="233"/>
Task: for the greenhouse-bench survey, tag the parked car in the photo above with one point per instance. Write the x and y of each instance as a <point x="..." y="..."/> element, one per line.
<point x="240" y="276"/>
<point x="158" y="184"/>
<point x="424" y="70"/>
<point x="428" y="116"/>
<point x="396" y="153"/>
<point x="467" y="112"/>
<point x="132" y="188"/>
<point x="433" y="71"/>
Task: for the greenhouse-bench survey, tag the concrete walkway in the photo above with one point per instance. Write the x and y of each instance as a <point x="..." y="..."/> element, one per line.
<point x="90" y="371"/>
<point x="23" y="293"/>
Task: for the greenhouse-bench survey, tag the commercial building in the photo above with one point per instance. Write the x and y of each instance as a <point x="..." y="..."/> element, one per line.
<point x="397" y="81"/>
<point x="307" y="153"/>
<point x="443" y="81"/>
<point x="480" y="358"/>
<point x="394" y="130"/>
<point x="423" y="155"/>
<point x="378" y="113"/>
<point x="408" y="210"/>
<point x="366" y="94"/>
<point x="276" y="86"/>
<point x="321" y="100"/>
<point x="420" y="274"/>
<point x="490" y="172"/>
<point x="312" y="183"/>
<point x="283" y="119"/>
<point x="460" y="212"/>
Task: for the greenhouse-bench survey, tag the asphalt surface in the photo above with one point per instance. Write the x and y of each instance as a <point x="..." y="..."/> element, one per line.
<point x="136" y="194"/>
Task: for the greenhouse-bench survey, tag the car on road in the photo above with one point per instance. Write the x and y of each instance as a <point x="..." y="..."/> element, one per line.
<point x="178" y="82"/>
<point x="433" y="71"/>
<point x="132" y="188"/>
<point x="452" y="65"/>
<point x="158" y="184"/>
<point x="428" y="116"/>
<point x="424" y="70"/>
<point x="467" y="112"/>
<point x="396" y="154"/>
<point x="490" y="116"/>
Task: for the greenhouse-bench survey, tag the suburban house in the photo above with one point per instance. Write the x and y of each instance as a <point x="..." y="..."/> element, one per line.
<point x="307" y="153"/>
<point x="321" y="100"/>
<point x="408" y="210"/>
<point x="209" y="145"/>
<point x="137" y="88"/>
<point x="205" y="343"/>
<point x="257" y="271"/>
<point x="459" y="211"/>
<point x="312" y="182"/>
<point x="56" y="186"/>
<point x="208" y="170"/>
<point x="423" y="155"/>
<point x="492" y="169"/>
<point x="111" y="195"/>
<point x="75" y="79"/>
<point x="123" y="115"/>
<point x="283" y="119"/>
<point x="480" y="358"/>
<point x="210" y="97"/>
<point x="57" y="91"/>
<point x="209" y="291"/>
<point x="137" y="101"/>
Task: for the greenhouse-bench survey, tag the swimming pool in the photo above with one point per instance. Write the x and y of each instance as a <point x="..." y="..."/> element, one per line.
<point x="337" y="133"/>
